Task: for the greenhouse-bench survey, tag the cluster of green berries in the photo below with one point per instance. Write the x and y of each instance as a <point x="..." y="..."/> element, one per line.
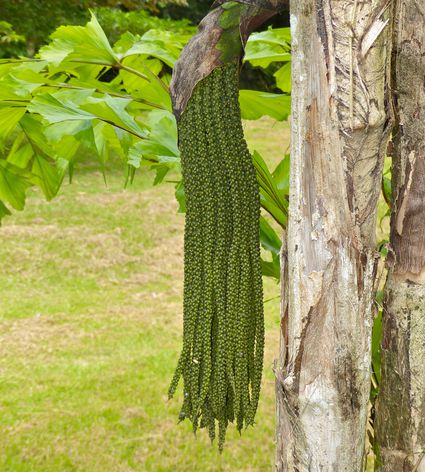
<point x="223" y="333"/>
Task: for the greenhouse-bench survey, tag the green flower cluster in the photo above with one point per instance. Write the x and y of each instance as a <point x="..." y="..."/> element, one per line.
<point x="223" y="334"/>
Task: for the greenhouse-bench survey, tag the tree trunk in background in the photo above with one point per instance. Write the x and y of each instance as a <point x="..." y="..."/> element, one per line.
<point x="401" y="402"/>
<point x="340" y="123"/>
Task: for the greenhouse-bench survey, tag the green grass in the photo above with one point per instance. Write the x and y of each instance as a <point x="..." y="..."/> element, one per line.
<point x="90" y="328"/>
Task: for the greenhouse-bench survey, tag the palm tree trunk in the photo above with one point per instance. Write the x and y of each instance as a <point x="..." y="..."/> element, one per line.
<point x="401" y="403"/>
<point x="340" y="124"/>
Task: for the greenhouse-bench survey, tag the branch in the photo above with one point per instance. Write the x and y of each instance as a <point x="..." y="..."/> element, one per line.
<point x="221" y="37"/>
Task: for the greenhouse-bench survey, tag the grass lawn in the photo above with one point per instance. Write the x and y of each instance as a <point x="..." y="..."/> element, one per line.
<point x="90" y="328"/>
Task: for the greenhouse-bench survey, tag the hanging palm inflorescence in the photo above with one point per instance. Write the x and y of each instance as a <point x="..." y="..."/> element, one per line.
<point x="223" y="340"/>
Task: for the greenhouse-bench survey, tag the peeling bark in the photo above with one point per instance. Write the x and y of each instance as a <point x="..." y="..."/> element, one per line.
<point x="400" y="422"/>
<point x="341" y="119"/>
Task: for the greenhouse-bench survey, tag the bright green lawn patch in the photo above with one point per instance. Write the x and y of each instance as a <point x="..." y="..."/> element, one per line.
<point x="90" y="326"/>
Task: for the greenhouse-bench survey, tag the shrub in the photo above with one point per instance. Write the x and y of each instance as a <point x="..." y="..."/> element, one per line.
<point x="116" y="22"/>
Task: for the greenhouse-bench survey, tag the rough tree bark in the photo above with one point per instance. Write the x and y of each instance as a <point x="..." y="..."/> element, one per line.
<point x="401" y="404"/>
<point x="341" y="119"/>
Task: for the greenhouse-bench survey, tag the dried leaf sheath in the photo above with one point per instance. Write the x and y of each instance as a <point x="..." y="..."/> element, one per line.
<point x="223" y="339"/>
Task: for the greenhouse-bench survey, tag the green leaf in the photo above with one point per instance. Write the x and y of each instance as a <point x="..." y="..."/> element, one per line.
<point x="8" y="34"/>
<point x="150" y="45"/>
<point x="59" y="107"/>
<point x="81" y="129"/>
<point x="271" y="269"/>
<point x="68" y="147"/>
<point x="103" y="134"/>
<point x="159" y="150"/>
<point x="19" y="155"/>
<point x="121" y="142"/>
<point x="270" y="241"/>
<point x="80" y="106"/>
<point x="161" y="142"/>
<point x="22" y="81"/>
<point x="113" y="111"/>
<point x="46" y="176"/>
<point x="387" y="190"/>
<point x="79" y="44"/>
<point x="283" y="78"/>
<point x="153" y="153"/>
<point x="163" y="129"/>
<point x="12" y="186"/>
<point x="4" y="211"/>
<point x="180" y="197"/>
<point x="278" y="215"/>
<point x="101" y="142"/>
<point x="281" y="175"/>
<point x="12" y="95"/>
<point x="273" y="200"/>
<point x="268" y="46"/>
<point x="262" y="57"/>
<point x="152" y="90"/>
<point x="56" y="52"/>
<point x="9" y="119"/>
<point x="256" y="104"/>
<point x="281" y="36"/>
<point x="15" y="66"/>
<point x="34" y="128"/>
<point x="383" y="251"/>
<point x="161" y="172"/>
<point x="135" y="155"/>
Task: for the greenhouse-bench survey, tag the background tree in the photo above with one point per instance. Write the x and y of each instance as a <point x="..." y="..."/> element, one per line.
<point x="401" y="401"/>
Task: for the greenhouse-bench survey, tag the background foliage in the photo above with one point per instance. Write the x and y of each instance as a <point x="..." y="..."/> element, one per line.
<point x="35" y="20"/>
<point x="117" y="22"/>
